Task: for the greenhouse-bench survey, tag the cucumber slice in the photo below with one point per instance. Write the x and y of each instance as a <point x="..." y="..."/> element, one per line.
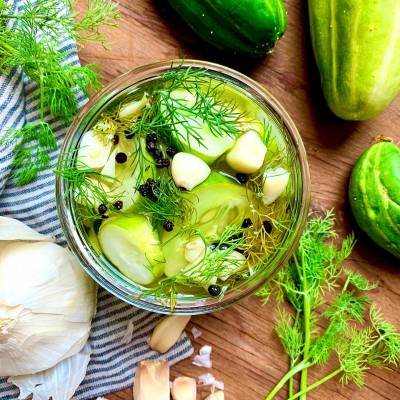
<point x="131" y="244"/>
<point x="191" y="133"/>
<point x="201" y="142"/>
<point x="219" y="202"/>
<point x="174" y="251"/>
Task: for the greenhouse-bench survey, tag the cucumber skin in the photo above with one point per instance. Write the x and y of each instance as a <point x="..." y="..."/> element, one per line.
<point x="250" y="27"/>
<point x="356" y="45"/>
<point x="374" y="195"/>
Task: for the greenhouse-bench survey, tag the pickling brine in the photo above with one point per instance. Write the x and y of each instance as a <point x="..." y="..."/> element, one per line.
<point x="184" y="184"/>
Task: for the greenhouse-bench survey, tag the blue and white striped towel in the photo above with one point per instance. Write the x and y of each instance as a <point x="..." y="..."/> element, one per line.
<point x="113" y="360"/>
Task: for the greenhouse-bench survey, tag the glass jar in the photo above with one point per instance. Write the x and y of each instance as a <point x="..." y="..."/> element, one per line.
<point x="104" y="272"/>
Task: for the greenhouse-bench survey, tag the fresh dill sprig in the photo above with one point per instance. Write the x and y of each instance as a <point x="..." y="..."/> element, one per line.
<point x="167" y="202"/>
<point x="358" y="341"/>
<point x="30" y="41"/>
<point x="84" y="186"/>
<point x="203" y="107"/>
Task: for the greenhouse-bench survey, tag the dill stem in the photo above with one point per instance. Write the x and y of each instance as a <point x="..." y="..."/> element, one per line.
<point x="293" y="361"/>
<point x="292" y="364"/>
<point x="41" y="96"/>
<point x="346" y="284"/>
<point x="315" y="384"/>
<point x="306" y="319"/>
<point x="296" y="369"/>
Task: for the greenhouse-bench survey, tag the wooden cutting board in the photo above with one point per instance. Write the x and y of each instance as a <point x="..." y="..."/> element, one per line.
<point x="247" y="355"/>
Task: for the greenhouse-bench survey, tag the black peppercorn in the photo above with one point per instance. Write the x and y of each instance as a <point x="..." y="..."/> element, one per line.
<point x="144" y="190"/>
<point x="213" y="246"/>
<point x="129" y="134"/>
<point x="171" y="151"/>
<point x="159" y="163"/>
<point x="214" y="290"/>
<point x="116" y="140"/>
<point x="168" y="226"/>
<point x="155" y="191"/>
<point x="157" y="153"/>
<point x="121" y="158"/>
<point x="151" y="138"/>
<point x="102" y="208"/>
<point x="165" y="162"/>
<point x="247" y="222"/>
<point x="150" y="182"/>
<point x="118" y="204"/>
<point x="242" y="178"/>
<point x="151" y="147"/>
<point x="223" y="247"/>
<point x="267" y="226"/>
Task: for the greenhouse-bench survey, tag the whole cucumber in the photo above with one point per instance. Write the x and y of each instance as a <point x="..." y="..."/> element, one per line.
<point x="250" y="27"/>
<point x="374" y="194"/>
<point x="356" y="44"/>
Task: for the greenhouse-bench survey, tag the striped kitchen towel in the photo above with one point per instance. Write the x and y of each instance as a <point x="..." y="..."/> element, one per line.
<point x="120" y="332"/>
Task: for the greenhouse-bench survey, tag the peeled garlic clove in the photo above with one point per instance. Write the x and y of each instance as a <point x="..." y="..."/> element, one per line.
<point x="218" y="395"/>
<point x="248" y="153"/>
<point x="275" y="183"/>
<point x="184" y="388"/>
<point x="232" y="263"/>
<point x="133" y="108"/>
<point x="94" y="150"/>
<point x="195" y="249"/>
<point x="188" y="170"/>
<point x="152" y="380"/>
<point x="167" y="332"/>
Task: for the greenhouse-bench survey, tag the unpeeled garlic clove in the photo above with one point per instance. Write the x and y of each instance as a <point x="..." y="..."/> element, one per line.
<point x="188" y="170"/>
<point x="167" y="332"/>
<point x="248" y="153"/>
<point x="184" y="388"/>
<point x="275" y="183"/>
<point x="152" y="380"/>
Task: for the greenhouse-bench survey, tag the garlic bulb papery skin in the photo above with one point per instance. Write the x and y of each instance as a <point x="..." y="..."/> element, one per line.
<point x="47" y="302"/>
<point x="59" y="382"/>
<point x="12" y="229"/>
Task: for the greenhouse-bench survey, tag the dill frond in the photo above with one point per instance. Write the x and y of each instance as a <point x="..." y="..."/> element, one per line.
<point x="32" y="44"/>
<point x="85" y="189"/>
<point x="169" y="203"/>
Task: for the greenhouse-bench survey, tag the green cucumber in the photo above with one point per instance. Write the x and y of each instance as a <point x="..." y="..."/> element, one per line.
<point x="250" y="27"/>
<point x="374" y="195"/>
<point x="131" y="245"/>
<point x="357" y="45"/>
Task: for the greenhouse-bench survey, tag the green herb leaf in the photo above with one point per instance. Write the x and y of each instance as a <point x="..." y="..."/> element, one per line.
<point x="31" y="43"/>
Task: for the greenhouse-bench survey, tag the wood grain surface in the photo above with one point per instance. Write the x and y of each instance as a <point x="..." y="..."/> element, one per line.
<point x="247" y="355"/>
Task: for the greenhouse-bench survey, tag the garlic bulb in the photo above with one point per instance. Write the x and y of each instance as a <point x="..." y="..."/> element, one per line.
<point x="47" y="302"/>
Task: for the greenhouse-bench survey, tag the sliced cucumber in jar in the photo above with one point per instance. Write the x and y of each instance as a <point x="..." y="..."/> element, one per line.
<point x="131" y="245"/>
